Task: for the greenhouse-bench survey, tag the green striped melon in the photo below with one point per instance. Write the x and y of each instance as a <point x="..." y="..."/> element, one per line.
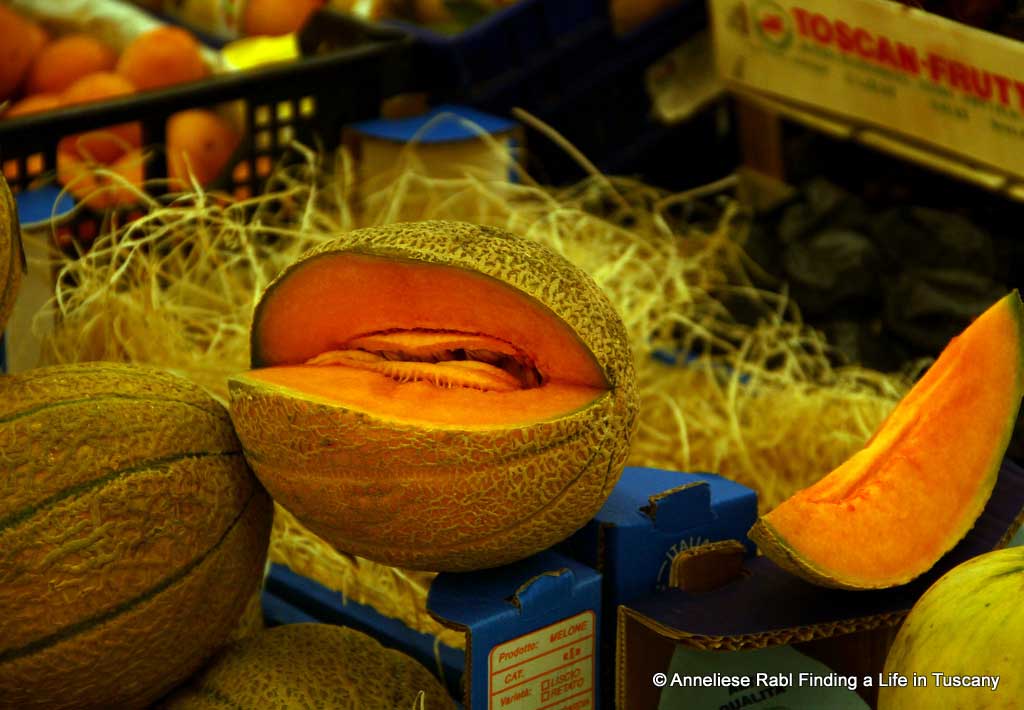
<point x="132" y="535"/>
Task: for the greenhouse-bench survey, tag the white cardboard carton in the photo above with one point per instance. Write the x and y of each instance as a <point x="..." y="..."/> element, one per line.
<point x="945" y="90"/>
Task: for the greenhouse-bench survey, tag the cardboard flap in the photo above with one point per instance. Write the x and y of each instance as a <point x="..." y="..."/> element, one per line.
<point x="767" y="606"/>
<point x="511" y="593"/>
<point x="708" y="566"/>
<point x="535" y="594"/>
<point x="690" y="502"/>
<point x="672" y="500"/>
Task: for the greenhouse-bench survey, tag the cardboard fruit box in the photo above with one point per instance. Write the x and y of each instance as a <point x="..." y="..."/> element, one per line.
<point x="758" y="606"/>
<point x="652" y="516"/>
<point x="895" y="78"/>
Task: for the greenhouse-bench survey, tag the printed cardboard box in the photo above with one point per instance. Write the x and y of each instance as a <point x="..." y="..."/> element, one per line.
<point x="650" y="517"/>
<point x="764" y="607"/>
<point x="894" y="77"/>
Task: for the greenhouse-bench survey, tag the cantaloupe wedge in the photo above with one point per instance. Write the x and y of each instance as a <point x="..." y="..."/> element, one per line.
<point x="892" y="510"/>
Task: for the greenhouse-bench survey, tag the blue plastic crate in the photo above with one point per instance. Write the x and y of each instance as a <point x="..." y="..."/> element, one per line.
<point x="562" y="61"/>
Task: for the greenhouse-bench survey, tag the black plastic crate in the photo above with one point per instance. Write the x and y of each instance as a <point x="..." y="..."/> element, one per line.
<point x="562" y="61"/>
<point x="348" y="68"/>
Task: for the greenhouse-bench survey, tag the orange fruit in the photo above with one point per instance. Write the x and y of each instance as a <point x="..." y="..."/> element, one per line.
<point x="162" y="57"/>
<point x="200" y="141"/>
<point x="36" y="103"/>
<point x="277" y="17"/>
<point x="38" y="38"/>
<point x="96" y="191"/>
<point x="16" y="50"/>
<point x="96" y="87"/>
<point x="66" y="60"/>
<point x="108" y="144"/>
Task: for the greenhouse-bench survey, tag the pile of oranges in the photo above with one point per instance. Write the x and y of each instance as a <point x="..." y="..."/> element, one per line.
<point x="41" y="73"/>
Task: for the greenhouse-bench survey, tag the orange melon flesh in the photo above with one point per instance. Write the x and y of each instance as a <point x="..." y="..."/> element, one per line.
<point x="892" y="510"/>
<point x="420" y="343"/>
<point x="423" y="402"/>
<point x="337" y="298"/>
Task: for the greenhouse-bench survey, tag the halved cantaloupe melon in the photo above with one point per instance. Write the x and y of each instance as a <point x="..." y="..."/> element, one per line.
<point x="892" y="510"/>
<point x="437" y="395"/>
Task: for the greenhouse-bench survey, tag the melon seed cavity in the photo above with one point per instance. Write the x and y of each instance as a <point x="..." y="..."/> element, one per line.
<point x="446" y="359"/>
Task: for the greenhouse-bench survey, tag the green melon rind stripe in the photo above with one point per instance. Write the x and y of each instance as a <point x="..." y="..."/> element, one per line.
<point x="103" y="398"/>
<point x="94" y="621"/>
<point x="154" y="464"/>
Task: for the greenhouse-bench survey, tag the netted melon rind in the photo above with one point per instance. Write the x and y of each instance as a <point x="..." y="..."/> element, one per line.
<point x="311" y="666"/>
<point x="133" y="534"/>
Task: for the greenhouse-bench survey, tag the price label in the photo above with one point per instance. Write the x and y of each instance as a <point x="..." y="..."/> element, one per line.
<point x="548" y="669"/>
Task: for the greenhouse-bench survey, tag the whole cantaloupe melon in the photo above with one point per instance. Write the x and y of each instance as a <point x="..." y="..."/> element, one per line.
<point x="132" y="535"/>
<point x="12" y="257"/>
<point x="437" y="395"/>
<point x="310" y="666"/>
